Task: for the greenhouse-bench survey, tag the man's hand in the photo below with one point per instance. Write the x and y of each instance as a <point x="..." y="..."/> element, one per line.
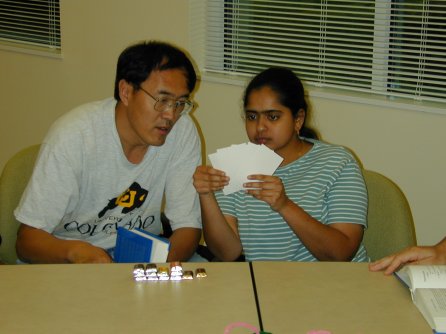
<point x="183" y="243"/>
<point x="83" y="252"/>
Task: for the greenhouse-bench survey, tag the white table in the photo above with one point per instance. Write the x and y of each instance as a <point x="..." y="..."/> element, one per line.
<point x="105" y="299"/>
<point x="343" y="298"/>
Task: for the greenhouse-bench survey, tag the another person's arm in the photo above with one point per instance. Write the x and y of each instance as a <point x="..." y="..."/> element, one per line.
<point x="412" y="255"/>
<point x="38" y="246"/>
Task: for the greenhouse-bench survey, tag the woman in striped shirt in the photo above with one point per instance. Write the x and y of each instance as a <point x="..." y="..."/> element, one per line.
<point x="314" y="206"/>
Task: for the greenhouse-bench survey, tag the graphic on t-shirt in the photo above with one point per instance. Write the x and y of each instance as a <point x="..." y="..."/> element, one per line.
<point x="129" y="200"/>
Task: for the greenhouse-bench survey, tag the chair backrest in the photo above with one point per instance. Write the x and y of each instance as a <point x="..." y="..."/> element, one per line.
<point x="389" y="219"/>
<point x="13" y="181"/>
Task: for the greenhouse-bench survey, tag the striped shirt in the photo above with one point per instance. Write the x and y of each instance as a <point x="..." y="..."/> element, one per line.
<point x="326" y="182"/>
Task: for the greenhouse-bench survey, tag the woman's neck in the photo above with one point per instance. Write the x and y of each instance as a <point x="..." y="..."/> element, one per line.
<point x="295" y="152"/>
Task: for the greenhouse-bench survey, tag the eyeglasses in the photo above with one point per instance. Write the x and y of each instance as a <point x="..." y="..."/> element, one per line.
<point x="165" y="103"/>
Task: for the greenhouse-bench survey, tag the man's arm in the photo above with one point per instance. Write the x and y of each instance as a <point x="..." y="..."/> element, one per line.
<point x="183" y="243"/>
<point x="182" y="207"/>
<point x="38" y="246"/>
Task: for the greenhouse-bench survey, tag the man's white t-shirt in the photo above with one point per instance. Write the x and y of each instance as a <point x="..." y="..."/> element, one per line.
<point x="83" y="187"/>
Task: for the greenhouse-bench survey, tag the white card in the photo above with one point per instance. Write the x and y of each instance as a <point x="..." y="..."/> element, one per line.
<point x="239" y="161"/>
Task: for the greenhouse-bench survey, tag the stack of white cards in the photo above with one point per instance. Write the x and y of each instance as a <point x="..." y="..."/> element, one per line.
<point x="239" y="161"/>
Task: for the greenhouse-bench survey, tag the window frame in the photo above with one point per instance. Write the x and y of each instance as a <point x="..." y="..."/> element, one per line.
<point x="365" y="97"/>
<point x="39" y="49"/>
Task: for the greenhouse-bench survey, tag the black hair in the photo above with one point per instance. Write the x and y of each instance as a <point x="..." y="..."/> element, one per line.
<point x="289" y="89"/>
<point x="138" y="61"/>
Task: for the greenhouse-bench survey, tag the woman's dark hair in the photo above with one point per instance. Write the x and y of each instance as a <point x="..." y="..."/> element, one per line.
<point x="138" y="61"/>
<point x="289" y="89"/>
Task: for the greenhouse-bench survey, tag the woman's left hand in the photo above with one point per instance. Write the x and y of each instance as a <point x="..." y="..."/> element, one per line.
<point x="269" y="189"/>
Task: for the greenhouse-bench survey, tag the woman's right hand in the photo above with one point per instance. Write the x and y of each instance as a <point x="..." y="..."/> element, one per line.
<point x="208" y="179"/>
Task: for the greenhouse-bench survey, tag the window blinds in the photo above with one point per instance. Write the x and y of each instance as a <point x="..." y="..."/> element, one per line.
<point x="391" y="47"/>
<point x="30" y="22"/>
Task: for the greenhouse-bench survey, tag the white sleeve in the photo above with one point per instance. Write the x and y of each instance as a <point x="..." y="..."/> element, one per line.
<point x="53" y="188"/>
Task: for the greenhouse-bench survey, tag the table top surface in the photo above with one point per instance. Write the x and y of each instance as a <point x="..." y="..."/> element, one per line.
<point x="294" y="297"/>
<point x="104" y="298"/>
<point x="341" y="298"/>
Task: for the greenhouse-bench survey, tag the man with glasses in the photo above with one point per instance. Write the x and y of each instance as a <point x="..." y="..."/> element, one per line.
<point x="111" y="163"/>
